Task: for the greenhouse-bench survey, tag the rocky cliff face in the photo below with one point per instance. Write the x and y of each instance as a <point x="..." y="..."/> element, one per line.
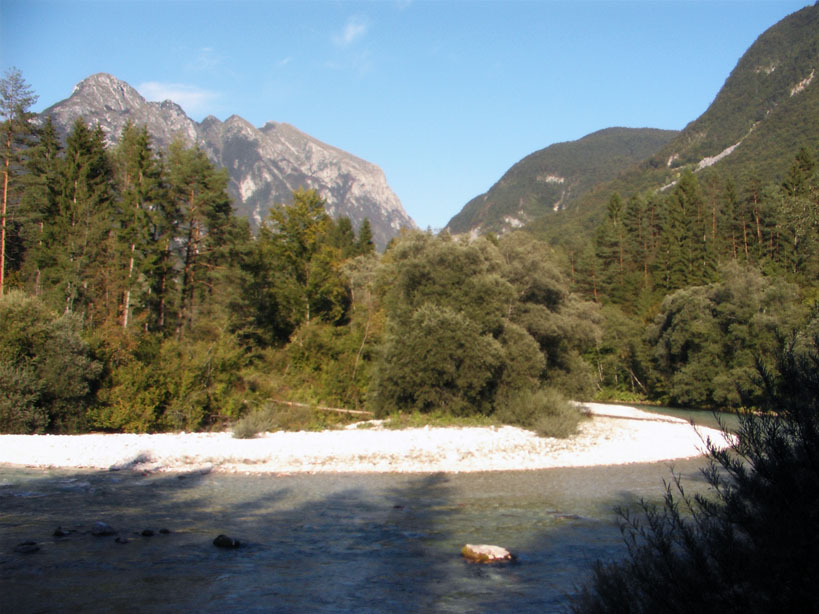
<point x="265" y="164"/>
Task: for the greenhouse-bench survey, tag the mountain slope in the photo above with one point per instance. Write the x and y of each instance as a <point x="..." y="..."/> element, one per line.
<point x="265" y="165"/>
<point x="550" y="179"/>
<point x="767" y="109"/>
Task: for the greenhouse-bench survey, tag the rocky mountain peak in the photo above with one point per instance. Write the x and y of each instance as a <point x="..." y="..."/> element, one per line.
<point x="265" y="165"/>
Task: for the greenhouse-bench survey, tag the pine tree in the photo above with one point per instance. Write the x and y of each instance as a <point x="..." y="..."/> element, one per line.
<point x="364" y="242"/>
<point x="77" y="236"/>
<point x="202" y="210"/>
<point x="16" y="97"/>
<point x="141" y="190"/>
<point x="40" y="202"/>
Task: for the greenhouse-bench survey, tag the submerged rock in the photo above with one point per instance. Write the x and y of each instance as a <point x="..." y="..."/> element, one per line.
<point x="60" y="532"/>
<point x="485" y="554"/>
<point x="27" y="547"/>
<point x="102" y="529"/>
<point x="147" y="533"/>
<point x="223" y="541"/>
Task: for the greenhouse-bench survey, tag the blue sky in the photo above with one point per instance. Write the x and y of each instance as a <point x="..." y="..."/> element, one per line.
<point x="443" y="95"/>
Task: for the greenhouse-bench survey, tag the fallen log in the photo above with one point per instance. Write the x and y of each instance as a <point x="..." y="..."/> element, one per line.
<point x="357" y="412"/>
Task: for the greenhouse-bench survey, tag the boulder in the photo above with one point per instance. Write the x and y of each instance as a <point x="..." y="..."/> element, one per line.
<point x="223" y="541"/>
<point x="102" y="529"/>
<point x="484" y="553"/>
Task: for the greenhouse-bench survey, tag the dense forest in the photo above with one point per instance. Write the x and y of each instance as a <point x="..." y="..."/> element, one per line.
<point x="133" y="299"/>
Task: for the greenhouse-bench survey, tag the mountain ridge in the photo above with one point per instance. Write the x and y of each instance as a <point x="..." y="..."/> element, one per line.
<point x="551" y="178"/>
<point x="265" y="164"/>
<point x="766" y="110"/>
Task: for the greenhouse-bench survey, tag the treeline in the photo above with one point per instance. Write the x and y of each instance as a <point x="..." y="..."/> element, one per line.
<point x="700" y="281"/>
<point x="134" y="300"/>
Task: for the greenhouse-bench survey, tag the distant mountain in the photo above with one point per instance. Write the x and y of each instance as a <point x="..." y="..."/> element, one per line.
<point x="549" y="180"/>
<point x="765" y="112"/>
<point x="265" y="164"/>
<point x="767" y="109"/>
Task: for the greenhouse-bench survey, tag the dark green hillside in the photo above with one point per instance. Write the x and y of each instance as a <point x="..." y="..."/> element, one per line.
<point x="767" y="109"/>
<point x="550" y="179"/>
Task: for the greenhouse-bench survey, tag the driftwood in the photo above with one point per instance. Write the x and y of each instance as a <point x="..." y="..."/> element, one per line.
<point x="357" y="412"/>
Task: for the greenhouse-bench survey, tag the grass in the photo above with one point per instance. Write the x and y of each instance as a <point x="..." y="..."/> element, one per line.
<point x="280" y="417"/>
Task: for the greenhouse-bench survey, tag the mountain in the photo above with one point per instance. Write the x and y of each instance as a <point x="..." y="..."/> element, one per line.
<point x="766" y="110"/>
<point x="549" y="180"/>
<point x="265" y="164"/>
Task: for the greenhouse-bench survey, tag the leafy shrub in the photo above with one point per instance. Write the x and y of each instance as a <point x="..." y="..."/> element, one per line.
<point x="186" y="384"/>
<point x="751" y="545"/>
<point x="545" y="411"/>
<point x="48" y="377"/>
<point x="279" y="417"/>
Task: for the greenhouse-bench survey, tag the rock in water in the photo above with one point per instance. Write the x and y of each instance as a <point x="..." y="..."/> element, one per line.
<point x="485" y="554"/>
<point x="223" y="541"/>
<point x="102" y="529"/>
<point x="28" y="547"/>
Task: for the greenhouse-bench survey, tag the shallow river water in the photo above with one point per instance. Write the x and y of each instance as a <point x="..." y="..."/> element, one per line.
<point x="312" y="543"/>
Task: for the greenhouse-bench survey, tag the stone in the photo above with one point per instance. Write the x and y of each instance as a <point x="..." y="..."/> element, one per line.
<point x="27" y="547"/>
<point x="102" y="529"/>
<point x="60" y="532"/>
<point x="484" y="553"/>
<point x="223" y="541"/>
<point x="147" y="533"/>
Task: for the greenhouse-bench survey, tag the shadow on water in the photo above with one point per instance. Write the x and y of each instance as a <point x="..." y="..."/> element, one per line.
<point x="327" y="543"/>
<point x="319" y="543"/>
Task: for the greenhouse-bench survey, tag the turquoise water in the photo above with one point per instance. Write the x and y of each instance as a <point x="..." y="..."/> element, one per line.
<point x="702" y="417"/>
<point x="312" y="543"/>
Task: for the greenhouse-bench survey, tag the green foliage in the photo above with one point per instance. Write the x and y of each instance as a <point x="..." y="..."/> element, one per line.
<point x="557" y="175"/>
<point x="48" y="376"/>
<point x="470" y="323"/>
<point x="277" y="417"/>
<point x="750" y="545"/>
<point x="186" y="385"/>
<point x="545" y="411"/>
<point x="706" y="339"/>
<point x="439" y="359"/>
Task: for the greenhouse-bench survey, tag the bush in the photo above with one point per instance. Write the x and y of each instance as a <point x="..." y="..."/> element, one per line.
<point x="284" y="417"/>
<point x="752" y="546"/>
<point x="48" y="377"/>
<point x="545" y="411"/>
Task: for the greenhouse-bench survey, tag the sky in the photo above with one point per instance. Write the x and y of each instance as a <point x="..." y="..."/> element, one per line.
<point x="444" y="96"/>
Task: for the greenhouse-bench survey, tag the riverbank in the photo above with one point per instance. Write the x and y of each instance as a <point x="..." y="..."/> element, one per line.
<point x="615" y="435"/>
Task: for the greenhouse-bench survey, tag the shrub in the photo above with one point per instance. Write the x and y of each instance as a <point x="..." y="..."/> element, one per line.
<point x="279" y="417"/>
<point x="752" y="546"/>
<point x="48" y="378"/>
<point x="545" y="411"/>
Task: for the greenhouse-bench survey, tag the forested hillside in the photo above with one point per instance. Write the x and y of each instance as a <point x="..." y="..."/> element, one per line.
<point x="134" y="300"/>
<point x="553" y="178"/>
<point x="764" y="113"/>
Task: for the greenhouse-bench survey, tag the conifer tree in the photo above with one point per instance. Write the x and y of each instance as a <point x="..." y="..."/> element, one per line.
<point x="77" y="236"/>
<point x="202" y="213"/>
<point x="141" y="191"/>
<point x="16" y="97"/>
<point x="40" y="202"/>
<point x="364" y="242"/>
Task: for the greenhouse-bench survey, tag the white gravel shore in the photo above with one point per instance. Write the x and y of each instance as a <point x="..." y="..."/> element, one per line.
<point x="615" y="435"/>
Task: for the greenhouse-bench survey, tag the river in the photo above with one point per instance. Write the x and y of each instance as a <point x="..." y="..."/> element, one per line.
<point x="317" y="543"/>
